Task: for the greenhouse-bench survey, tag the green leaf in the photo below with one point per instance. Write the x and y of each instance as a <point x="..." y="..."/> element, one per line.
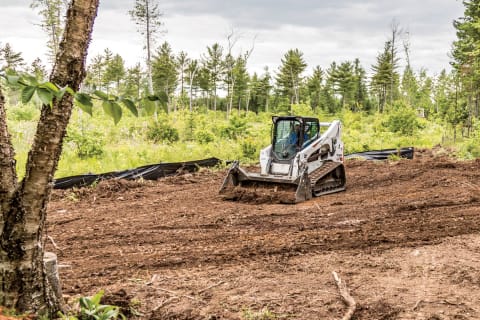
<point x="149" y="106"/>
<point x="61" y="92"/>
<point x="45" y="96"/>
<point x="12" y="79"/>
<point x="101" y="95"/>
<point x="70" y="90"/>
<point x="130" y="106"/>
<point x="96" y="298"/>
<point x="31" y="80"/>
<point x="49" y="86"/>
<point x="27" y="93"/>
<point x="84" y="101"/>
<point x="112" y="109"/>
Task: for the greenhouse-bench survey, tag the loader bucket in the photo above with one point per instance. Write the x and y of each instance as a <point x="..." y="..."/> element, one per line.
<point x="240" y="185"/>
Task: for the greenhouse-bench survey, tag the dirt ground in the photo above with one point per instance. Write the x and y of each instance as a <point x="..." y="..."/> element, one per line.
<point x="405" y="237"/>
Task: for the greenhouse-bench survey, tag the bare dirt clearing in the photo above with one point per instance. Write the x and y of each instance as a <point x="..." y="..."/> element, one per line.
<point x="405" y="236"/>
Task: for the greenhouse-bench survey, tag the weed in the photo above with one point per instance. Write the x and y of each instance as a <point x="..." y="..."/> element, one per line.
<point x="91" y="309"/>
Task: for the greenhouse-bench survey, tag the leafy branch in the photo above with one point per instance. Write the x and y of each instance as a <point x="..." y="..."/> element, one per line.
<point x="48" y="91"/>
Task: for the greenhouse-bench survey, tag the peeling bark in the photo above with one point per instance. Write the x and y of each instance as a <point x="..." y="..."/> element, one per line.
<point x="8" y="175"/>
<point x="23" y="282"/>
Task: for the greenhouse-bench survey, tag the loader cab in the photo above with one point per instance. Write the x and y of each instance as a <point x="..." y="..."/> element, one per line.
<point x="291" y="134"/>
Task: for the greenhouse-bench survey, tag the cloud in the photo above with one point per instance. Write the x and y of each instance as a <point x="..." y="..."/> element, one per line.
<point x="325" y="31"/>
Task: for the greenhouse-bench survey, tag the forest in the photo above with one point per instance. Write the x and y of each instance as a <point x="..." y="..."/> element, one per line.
<point x="79" y="117"/>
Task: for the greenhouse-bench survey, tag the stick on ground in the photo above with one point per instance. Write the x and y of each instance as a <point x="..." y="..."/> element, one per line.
<point x="347" y="298"/>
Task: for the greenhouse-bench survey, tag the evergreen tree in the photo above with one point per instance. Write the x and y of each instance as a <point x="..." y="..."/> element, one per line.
<point x="165" y="72"/>
<point x="147" y="17"/>
<point x="327" y="100"/>
<point x="182" y="63"/>
<point x="361" y="98"/>
<point x="192" y="78"/>
<point x="10" y="59"/>
<point x="95" y="71"/>
<point x="289" y="77"/>
<point x="466" y="55"/>
<point x="344" y="84"/>
<point x="409" y="86"/>
<point x="425" y="92"/>
<point x="133" y="81"/>
<point x="38" y="70"/>
<point x="214" y="66"/>
<point x="314" y="85"/>
<point x="241" y="79"/>
<point x="384" y="75"/>
<point x="114" y="71"/>
<point x="52" y="13"/>
<point x="442" y="90"/>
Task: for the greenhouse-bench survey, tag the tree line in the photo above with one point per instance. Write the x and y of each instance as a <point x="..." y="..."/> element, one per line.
<point x="220" y="80"/>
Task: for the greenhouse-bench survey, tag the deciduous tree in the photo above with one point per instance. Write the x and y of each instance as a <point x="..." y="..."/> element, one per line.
<point x="23" y="204"/>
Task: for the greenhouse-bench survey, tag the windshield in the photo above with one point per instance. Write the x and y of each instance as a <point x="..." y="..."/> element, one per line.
<point x="287" y="138"/>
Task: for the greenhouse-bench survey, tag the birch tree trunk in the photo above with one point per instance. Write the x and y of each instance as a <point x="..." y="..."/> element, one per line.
<point x="24" y="285"/>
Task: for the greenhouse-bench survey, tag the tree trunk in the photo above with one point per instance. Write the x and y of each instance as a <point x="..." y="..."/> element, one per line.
<point x="8" y="174"/>
<point x="24" y="283"/>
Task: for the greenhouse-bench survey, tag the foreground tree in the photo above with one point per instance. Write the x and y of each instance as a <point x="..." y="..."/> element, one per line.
<point x="25" y="286"/>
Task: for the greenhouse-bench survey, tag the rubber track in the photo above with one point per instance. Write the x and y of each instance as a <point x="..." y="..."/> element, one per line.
<point x="327" y="187"/>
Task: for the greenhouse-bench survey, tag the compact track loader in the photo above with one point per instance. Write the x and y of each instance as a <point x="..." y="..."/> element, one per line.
<point x="305" y="158"/>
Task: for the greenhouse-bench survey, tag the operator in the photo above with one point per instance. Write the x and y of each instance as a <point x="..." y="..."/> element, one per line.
<point x="295" y="134"/>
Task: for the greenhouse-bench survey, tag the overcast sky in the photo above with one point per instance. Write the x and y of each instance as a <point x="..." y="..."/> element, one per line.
<point x="324" y="30"/>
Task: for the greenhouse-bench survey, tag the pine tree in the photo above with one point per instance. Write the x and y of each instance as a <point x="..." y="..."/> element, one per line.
<point x="133" y="81"/>
<point x="466" y="56"/>
<point x="147" y="17"/>
<point x="289" y="77"/>
<point x="328" y="101"/>
<point x="314" y="85"/>
<point x="11" y="60"/>
<point x="361" y="99"/>
<point x="215" y="67"/>
<point x="165" y="72"/>
<point x="344" y="84"/>
<point x="114" y="71"/>
<point x="384" y="75"/>
<point x="38" y="70"/>
<point x="52" y="13"/>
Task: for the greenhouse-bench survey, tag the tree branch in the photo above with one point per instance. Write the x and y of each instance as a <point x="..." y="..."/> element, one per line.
<point x="347" y="298"/>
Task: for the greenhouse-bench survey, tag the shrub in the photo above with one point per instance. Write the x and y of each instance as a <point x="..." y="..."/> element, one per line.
<point x="249" y="148"/>
<point x="87" y="145"/>
<point x="23" y="113"/>
<point x="403" y="121"/>
<point x="204" y="136"/>
<point x="236" y="127"/>
<point x="162" y="132"/>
